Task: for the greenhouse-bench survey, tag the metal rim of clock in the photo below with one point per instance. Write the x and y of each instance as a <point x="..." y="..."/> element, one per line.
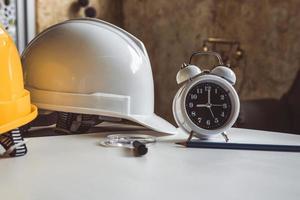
<point x="204" y="133"/>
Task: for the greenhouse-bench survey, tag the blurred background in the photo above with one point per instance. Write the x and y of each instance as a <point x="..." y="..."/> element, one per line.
<point x="258" y="39"/>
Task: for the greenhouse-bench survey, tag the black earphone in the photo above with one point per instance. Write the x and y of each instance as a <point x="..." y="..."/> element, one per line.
<point x="89" y="11"/>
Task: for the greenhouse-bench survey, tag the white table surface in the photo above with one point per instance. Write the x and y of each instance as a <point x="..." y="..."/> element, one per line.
<point x="76" y="167"/>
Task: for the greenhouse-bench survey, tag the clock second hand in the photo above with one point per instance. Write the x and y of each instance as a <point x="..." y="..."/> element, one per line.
<point x="206" y="106"/>
<point x="211" y="112"/>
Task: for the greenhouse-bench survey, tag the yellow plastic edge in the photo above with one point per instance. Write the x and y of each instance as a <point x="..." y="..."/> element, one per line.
<point x="20" y="121"/>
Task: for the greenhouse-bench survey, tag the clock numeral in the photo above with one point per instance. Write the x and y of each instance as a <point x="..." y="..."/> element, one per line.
<point x="216" y="91"/>
<point x="207" y="88"/>
<point x="222" y="97"/>
<point x="191" y="105"/>
<point x="225" y="105"/>
<point x="194" y="96"/>
<point x="199" y="119"/>
<point x="200" y="91"/>
<point x="216" y="120"/>
<point x="193" y="113"/>
<point x="208" y="122"/>
<point x="222" y="114"/>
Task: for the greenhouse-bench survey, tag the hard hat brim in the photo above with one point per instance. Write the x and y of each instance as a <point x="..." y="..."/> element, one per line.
<point x="154" y="122"/>
<point x="85" y="103"/>
<point x="20" y="121"/>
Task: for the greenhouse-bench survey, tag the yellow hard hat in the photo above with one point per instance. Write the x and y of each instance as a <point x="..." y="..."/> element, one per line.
<point x="15" y="107"/>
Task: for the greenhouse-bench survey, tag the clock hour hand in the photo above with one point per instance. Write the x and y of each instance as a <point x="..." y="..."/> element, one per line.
<point x="206" y="106"/>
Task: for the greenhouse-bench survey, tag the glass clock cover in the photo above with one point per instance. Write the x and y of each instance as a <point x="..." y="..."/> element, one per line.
<point x="208" y="105"/>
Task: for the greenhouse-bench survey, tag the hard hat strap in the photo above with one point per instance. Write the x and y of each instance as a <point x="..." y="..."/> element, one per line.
<point x="13" y="143"/>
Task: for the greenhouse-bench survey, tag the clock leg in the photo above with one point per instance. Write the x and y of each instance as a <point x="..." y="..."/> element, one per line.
<point x="187" y="141"/>
<point x="190" y="136"/>
<point x="225" y="136"/>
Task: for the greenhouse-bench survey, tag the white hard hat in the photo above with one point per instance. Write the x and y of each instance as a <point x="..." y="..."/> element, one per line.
<point x="92" y="67"/>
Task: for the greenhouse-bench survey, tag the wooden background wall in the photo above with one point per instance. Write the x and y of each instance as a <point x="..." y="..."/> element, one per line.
<point x="269" y="32"/>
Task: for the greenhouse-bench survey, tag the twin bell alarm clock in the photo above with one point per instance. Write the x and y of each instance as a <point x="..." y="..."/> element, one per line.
<point x="207" y="103"/>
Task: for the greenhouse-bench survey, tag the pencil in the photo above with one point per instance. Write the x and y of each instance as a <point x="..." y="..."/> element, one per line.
<point x="241" y="146"/>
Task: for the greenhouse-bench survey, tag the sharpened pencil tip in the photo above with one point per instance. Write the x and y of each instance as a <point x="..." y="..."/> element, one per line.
<point x="181" y="143"/>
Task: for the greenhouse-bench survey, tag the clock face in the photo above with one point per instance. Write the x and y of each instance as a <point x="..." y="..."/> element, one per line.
<point x="208" y="105"/>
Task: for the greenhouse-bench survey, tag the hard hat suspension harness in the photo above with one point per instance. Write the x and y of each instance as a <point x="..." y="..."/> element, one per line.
<point x="13" y="143"/>
<point x="75" y="123"/>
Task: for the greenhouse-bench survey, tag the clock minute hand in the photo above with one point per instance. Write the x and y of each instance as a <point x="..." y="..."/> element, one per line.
<point x="208" y="96"/>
